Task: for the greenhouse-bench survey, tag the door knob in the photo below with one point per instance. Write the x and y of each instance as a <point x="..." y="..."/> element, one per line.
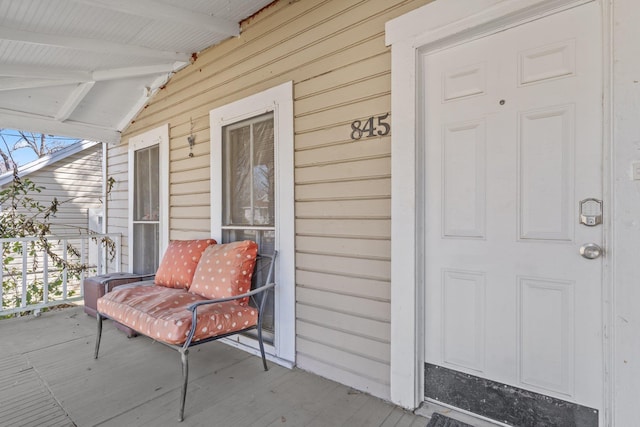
<point x="590" y="250"/>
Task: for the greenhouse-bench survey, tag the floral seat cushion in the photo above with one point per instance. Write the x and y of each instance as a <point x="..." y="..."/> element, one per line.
<point x="161" y="313"/>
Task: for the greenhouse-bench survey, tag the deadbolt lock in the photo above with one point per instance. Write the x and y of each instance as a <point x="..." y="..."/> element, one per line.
<point x="591" y="212"/>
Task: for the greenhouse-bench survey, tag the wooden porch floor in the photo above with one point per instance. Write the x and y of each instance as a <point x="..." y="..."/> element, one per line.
<point x="48" y="377"/>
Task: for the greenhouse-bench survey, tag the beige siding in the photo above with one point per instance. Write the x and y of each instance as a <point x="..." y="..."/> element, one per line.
<point x="334" y="52"/>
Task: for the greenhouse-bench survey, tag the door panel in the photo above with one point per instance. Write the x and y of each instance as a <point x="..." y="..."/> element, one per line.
<point x="512" y="129"/>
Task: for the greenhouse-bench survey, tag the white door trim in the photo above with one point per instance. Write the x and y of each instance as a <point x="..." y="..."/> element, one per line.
<point x="278" y="99"/>
<point x="429" y="28"/>
<point x="157" y="136"/>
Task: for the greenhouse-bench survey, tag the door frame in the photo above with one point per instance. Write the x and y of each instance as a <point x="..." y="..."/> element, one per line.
<point x="156" y="136"/>
<point x="279" y="100"/>
<point x="432" y="27"/>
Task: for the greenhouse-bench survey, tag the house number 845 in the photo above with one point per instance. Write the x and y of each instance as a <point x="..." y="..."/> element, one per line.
<point x="369" y="129"/>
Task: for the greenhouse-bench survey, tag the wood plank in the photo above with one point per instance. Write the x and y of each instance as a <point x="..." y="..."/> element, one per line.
<point x="358" y="378"/>
<point x="355" y="286"/>
<point x="347" y="341"/>
<point x="350" y="190"/>
<point x="376" y="329"/>
<point x="357" y="228"/>
<point x="361" y="208"/>
<point x="375" y="85"/>
<point x="376" y="310"/>
<point x="373" y="168"/>
<point x="136" y="381"/>
<point x="370" y="414"/>
<point x="341" y="76"/>
<point x="378" y="269"/>
<point x="350" y="151"/>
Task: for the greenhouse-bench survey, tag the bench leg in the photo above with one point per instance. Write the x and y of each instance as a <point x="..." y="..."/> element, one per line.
<point x="185" y="379"/>
<point x="99" y="336"/>
<point x="264" y="359"/>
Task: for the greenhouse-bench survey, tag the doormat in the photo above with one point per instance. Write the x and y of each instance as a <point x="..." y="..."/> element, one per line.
<point x="439" y="420"/>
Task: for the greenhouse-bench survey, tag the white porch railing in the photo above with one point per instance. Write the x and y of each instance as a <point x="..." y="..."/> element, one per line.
<point x="31" y="281"/>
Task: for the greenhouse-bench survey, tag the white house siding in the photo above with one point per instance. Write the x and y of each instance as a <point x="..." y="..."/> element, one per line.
<point x="117" y="206"/>
<point x="334" y="52"/>
<point x="76" y="181"/>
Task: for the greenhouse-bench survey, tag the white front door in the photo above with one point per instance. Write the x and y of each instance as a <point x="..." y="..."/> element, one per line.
<point x="512" y="134"/>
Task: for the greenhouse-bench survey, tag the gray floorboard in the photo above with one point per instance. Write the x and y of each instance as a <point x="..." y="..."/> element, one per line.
<point x="48" y="377"/>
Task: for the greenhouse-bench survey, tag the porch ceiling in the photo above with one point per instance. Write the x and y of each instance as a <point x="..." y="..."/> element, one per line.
<point x="85" y="68"/>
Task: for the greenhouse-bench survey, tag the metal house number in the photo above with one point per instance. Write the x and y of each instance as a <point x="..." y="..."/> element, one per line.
<point x="370" y="128"/>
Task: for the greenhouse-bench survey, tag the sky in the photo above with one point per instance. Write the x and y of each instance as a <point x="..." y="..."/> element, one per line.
<point x="25" y="155"/>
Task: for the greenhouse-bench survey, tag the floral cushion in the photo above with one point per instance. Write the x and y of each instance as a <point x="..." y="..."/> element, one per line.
<point x="225" y="270"/>
<point x="180" y="261"/>
<point x="161" y="313"/>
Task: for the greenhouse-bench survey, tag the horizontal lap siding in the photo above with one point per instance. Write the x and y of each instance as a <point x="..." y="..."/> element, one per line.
<point x="334" y="52"/>
<point x="117" y="200"/>
<point x="76" y="182"/>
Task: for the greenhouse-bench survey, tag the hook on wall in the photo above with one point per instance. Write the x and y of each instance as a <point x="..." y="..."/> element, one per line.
<point x="191" y="138"/>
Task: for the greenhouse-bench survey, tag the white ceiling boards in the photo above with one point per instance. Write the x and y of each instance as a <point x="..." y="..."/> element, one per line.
<point x="85" y="68"/>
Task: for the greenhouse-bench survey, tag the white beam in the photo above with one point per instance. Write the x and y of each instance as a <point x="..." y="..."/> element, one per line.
<point x="43" y="124"/>
<point x="139" y="105"/>
<point x="74" y="99"/>
<point x="17" y="83"/>
<point x="92" y="45"/>
<point x="32" y="76"/>
<point x="166" y="12"/>
<point x="48" y="73"/>
<point x="126" y="72"/>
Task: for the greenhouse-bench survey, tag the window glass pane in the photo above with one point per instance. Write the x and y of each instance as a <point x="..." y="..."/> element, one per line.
<point x="263" y="213"/>
<point x="237" y="153"/>
<point x="146" y="209"/>
<point x="146" y="204"/>
<point x="248" y="172"/>
<point x="266" y="242"/>
<point x="145" y="247"/>
<point x="248" y="194"/>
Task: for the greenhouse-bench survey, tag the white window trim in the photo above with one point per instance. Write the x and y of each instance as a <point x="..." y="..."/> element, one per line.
<point x="431" y="27"/>
<point x="278" y="99"/>
<point x="159" y="136"/>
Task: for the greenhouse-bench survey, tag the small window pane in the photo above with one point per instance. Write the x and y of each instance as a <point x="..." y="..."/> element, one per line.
<point x="146" y="189"/>
<point x="248" y="171"/>
<point x="266" y="240"/>
<point x="263" y="173"/>
<point x="146" y="240"/>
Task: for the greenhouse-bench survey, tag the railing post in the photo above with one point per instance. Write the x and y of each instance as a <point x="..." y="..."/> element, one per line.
<point x="83" y="259"/>
<point x="2" y="277"/>
<point x="45" y="277"/>
<point x="64" y="270"/>
<point x="118" y="253"/>
<point x="23" y="299"/>
<point x="21" y="302"/>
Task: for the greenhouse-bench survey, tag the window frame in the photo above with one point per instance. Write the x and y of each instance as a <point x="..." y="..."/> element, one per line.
<point x="279" y="100"/>
<point x="157" y="136"/>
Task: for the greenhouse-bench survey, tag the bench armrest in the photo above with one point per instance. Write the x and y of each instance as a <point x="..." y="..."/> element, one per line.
<point x="257" y="291"/>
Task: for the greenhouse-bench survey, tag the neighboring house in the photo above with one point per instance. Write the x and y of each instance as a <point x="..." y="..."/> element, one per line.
<point x="426" y="164"/>
<point x="74" y="176"/>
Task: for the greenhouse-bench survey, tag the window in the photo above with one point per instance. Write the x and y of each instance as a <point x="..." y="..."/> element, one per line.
<point x="252" y="198"/>
<point x="248" y="193"/>
<point x="147" y="200"/>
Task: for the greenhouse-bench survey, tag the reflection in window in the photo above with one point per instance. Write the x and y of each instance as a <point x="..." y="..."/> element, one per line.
<point x="248" y="189"/>
<point x="146" y="208"/>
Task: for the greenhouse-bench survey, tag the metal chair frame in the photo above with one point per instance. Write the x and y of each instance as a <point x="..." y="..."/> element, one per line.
<point x="258" y="296"/>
